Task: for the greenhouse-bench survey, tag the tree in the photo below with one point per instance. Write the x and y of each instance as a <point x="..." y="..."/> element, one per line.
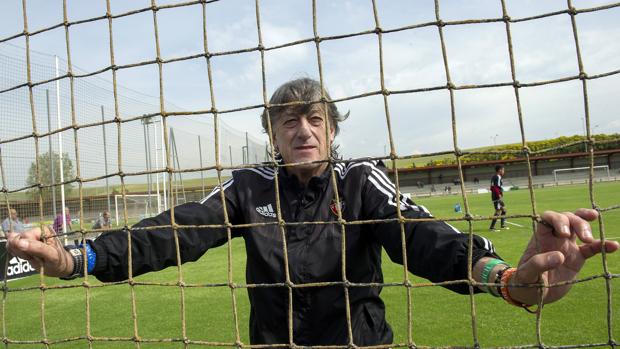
<point x="45" y="175"/>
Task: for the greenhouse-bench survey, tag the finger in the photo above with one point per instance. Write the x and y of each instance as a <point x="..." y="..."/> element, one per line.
<point x="580" y="226"/>
<point x="13" y="238"/>
<point x="14" y="250"/>
<point x="49" y="236"/>
<point x="21" y="245"/>
<point x="554" y="223"/>
<point x="29" y="249"/>
<point x="36" y="263"/>
<point x="530" y="271"/>
<point x="589" y="250"/>
<point x="32" y="234"/>
<point x="587" y="213"/>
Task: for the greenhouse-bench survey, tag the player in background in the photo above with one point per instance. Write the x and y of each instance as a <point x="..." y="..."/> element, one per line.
<point x="497" y="195"/>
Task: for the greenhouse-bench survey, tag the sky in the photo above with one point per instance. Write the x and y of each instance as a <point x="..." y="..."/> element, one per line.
<point x="544" y="49"/>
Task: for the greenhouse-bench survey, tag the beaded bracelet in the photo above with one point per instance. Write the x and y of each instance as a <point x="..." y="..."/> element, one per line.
<point x="505" y="278"/>
<point x="498" y="282"/>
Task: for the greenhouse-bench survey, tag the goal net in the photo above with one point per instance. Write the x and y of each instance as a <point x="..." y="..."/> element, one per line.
<point x="581" y="174"/>
<point x="90" y="96"/>
<point x="136" y="207"/>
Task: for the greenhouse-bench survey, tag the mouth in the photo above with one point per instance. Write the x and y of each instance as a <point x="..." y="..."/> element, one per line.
<point x="305" y="147"/>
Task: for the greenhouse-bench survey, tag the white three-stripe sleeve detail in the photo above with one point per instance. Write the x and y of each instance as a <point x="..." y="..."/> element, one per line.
<point x="381" y="181"/>
<point x="383" y="190"/>
<point x="266" y="170"/>
<point x="488" y="245"/>
<point x="453" y="228"/>
<point x="344" y="170"/>
<point x="382" y="175"/>
<point x="425" y="210"/>
<point x="387" y="182"/>
<point x="387" y="185"/>
<point x="378" y="178"/>
<point x="216" y="190"/>
<point x="261" y="173"/>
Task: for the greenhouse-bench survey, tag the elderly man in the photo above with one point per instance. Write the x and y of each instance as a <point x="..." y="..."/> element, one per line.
<point x="12" y="223"/>
<point x="103" y="222"/>
<point x="304" y="186"/>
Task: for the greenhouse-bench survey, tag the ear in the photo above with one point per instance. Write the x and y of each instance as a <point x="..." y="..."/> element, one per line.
<point x="275" y="144"/>
<point x="332" y="134"/>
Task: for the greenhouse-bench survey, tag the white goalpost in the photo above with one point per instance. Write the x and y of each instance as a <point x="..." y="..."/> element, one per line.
<point x="580" y="174"/>
<point x="138" y="206"/>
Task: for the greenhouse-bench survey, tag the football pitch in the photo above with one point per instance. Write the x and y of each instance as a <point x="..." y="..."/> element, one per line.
<point x="440" y="318"/>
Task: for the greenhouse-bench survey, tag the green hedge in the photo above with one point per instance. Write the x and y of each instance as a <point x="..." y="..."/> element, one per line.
<point x="560" y="145"/>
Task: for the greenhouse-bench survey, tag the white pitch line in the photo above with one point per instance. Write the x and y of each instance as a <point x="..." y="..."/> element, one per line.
<point x="614" y="238"/>
<point x="518" y="225"/>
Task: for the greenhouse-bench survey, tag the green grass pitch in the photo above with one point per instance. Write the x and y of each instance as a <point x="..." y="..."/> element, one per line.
<point x="440" y="318"/>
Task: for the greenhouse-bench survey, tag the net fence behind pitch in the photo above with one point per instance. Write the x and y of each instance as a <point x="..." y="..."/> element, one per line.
<point x="93" y="103"/>
<point x="76" y="126"/>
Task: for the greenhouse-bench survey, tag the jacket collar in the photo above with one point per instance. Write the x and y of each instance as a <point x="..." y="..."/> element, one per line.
<point x="315" y="183"/>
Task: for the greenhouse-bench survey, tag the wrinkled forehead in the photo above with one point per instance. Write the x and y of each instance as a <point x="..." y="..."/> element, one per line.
<point x="299" y="111"/>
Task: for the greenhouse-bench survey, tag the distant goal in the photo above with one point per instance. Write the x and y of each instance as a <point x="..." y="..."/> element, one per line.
<point x="138" y="206"/>
<point x="580" y="174"/>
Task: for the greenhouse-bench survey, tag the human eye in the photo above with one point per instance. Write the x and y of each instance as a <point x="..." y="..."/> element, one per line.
<point x="290" y="122"/>
<point x="316" y="120"/>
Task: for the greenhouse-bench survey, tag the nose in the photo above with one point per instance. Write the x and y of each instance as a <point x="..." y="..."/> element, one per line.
<point x="304" y="131"/>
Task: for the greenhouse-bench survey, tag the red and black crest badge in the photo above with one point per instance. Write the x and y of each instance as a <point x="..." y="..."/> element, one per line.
<point x="334" y="207"/>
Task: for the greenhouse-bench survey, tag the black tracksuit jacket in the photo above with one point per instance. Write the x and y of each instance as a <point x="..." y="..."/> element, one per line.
<point x="435" y="250"/>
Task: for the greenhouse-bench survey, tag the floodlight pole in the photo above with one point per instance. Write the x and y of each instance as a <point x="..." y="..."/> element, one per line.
<point x="202" y="176"/>
<point x="230" y="154"/>
<point x="146" y="121"/>
<point x="150" y="176"/>
<point x="164" y="160"/>
<point x="52" y="174"/>
<point x="245" y="150"/>
<point x="175" y="158"/>
<point x="116" y="209"/>
<point x="157" y="166"/>
<point x="62" y="175"/>
<point x="105" y="159"/>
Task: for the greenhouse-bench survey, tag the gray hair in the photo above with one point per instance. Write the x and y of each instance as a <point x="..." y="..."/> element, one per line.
<point x="301" y="90"/>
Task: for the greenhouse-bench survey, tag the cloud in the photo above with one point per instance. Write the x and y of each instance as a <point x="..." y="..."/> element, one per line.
<point x="612" y="126"/>
<point x="286" y="60"/>
<point x="412" y="59"/>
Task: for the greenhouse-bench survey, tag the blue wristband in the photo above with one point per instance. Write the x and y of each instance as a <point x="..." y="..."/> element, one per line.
<point x="91" y="257"/>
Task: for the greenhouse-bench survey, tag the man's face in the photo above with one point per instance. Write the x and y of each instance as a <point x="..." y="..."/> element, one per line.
<point x="501" y="171"/>
<point x="106" y="215"/>
<point x="13" y="214"/>
<point x="301" y="138"/>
